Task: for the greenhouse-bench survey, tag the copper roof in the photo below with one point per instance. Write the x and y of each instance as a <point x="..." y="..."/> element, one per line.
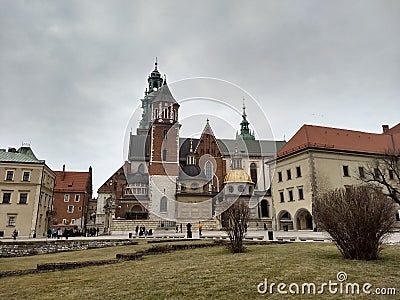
<point x="311" y="136"/>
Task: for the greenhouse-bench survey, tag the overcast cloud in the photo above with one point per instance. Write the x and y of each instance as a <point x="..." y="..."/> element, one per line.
<point x="72" y="72"/>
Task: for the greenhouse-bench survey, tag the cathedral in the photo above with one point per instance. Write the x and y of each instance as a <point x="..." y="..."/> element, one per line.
<point x="168" y="179"/>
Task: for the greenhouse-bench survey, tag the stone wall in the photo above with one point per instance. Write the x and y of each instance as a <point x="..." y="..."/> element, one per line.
<point x="13" y="249"/>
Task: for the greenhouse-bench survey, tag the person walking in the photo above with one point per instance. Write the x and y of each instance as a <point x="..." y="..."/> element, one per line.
<point x="200" y="228"/>
<point x="189" y="230"/>
<point x="15" y="234"/>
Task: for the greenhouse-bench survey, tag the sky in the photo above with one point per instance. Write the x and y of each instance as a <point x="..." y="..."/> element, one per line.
<point x="72" y="73"/>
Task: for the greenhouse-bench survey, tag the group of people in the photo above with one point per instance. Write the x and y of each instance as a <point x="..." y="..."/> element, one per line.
<point x="142" y="231"/>
<point x="67" y="232"/>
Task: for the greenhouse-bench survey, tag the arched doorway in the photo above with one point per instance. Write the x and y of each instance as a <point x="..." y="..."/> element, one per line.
<point x="304" y="220"/>
<point x="285" y="221"/>
<point x="137" y="212"/>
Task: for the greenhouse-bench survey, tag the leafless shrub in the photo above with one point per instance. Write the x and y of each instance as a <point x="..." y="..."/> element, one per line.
<point x="237" y="216"/>
<point x="358" y="218"/>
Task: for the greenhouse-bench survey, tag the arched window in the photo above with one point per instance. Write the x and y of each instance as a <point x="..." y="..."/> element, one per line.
<point x="163" y="204"/>
<point x="165" y="134"/>
<point x="253" y="172"/>
<point x="209" y="170"/>
<point x="165" y="114"/>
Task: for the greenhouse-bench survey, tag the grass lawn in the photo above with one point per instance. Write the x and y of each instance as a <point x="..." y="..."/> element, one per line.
<point x="208" y="273"/>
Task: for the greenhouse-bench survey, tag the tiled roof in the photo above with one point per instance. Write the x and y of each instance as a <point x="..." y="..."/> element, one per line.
<point x="310" y="136"/>
<point x="393" y="130"/>
<point x="250" y="147"/>
<point x="73" y="181"/>
<point x="138" y="147"/>
<point x="22" y="155"/>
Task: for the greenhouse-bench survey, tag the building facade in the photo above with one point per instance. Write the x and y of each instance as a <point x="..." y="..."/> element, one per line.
<point x="26" y="199"/>
<point x="72" y="193"/>
<point x="319" y="159"/>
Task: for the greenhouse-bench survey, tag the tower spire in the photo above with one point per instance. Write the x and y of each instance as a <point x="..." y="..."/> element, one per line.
<point x="245" y="132"/>
<point x="244" y="110"/>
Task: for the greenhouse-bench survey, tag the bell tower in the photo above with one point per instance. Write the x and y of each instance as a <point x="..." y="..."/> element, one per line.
<point x="164" y="152"/>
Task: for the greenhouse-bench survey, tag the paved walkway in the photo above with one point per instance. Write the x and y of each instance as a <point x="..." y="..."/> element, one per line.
<point x="306" y="235"/>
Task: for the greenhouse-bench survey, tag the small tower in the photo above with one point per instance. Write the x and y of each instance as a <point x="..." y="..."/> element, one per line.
<point x="245" y="132"/>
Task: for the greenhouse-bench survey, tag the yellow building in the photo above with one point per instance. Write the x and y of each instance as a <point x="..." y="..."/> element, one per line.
<point x="318" y="159"/>
<point x="26" y="193"/>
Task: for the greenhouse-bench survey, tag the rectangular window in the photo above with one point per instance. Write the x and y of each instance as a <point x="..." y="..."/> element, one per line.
<point x="289" y="174"/>
<point x="164" y="155"/>
<point x="391" y="174"/>
<point x="6" y="198"/>
<point x="279" y="176"/>
<point x="298" y="171"/>
<point x="23" y="198"/>
<point x="10" y="175"/>
<point x="11" y="220"/>
<point x="290" y="195"/>
<point x="66" y="198"/>
<point x="346" y="171"/>
<point x="376" y="173"/>
<point x="70" y="209"/>
<point x="77" y="198"/>
<point x="281" y="196"/>
<point x="301" y="192"/>
<point x="26" y="175"/>
<point x="361" y="172"/>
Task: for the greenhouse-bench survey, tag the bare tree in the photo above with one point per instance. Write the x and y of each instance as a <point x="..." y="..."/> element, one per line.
<point x="384" y="172"/>
<point x="358" y="218"/>
<point x="236" y="217"/>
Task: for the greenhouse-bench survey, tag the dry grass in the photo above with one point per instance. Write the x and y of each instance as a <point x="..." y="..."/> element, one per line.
<point x="208" y="273"/>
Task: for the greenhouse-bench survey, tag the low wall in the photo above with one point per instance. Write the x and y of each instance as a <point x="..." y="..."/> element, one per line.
<point x="14" y="249"/>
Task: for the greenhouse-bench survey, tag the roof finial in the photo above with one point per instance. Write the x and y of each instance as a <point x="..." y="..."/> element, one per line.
<point x="207" y="120"/>
<point x="156" y="63"/>
<point x="244" y="109"/>
<point x="191" y="145"/>
<point x="165" y="79"/>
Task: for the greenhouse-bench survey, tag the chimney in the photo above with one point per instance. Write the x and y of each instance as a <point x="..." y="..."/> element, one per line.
<point x="63" y="173"/>
<point x="385" y="128"/>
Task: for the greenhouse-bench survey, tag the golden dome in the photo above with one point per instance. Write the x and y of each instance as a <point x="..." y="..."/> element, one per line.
<point x="238" y="175"/>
